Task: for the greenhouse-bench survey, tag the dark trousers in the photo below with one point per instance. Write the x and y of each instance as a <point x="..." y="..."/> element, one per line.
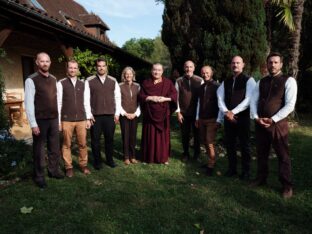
<point x="241" y="131"/>
<point x="186" y="127"/>
<point x="103" y="124"/>
<point x="49" y="132"/>
<point x="129" y="133"/>
<point x="277" y="136"/>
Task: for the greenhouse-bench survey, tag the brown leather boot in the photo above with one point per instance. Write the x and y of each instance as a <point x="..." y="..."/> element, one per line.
<point x="85" y="170"/>
<point x="287" y="193"/>
<point x="69" y="172"/>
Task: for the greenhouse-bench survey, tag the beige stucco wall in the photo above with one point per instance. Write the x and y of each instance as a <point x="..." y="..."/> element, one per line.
<point x="21" y="44"/>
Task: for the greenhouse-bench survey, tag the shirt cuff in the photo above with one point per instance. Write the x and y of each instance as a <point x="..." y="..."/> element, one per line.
<point x="235" y="112"/>
<point x="275" y="118"/>
<point x="33" y="124"/>
<point x="122" y="113"/>
<point x="255" y="116"/>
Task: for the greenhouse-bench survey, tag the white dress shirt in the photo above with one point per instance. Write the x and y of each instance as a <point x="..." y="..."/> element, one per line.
<point x="30" y="92"/>
<point x="86" y="97"/>
<point x="290" y="101"/>
<point x="251" y="83"/>
<point x="117" y="94"/>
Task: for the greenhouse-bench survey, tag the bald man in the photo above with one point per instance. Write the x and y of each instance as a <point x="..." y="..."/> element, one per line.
<point x="188" y="87"/>
<point x="208" y="116"/>
<point x="233" y="100"/>
<point x="42" y="114"/>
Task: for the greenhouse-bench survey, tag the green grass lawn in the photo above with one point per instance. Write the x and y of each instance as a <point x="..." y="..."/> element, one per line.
<point x="178" y="198"/>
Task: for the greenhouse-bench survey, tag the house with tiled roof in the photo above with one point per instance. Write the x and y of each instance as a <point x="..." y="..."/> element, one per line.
<point x="56" y="27"/>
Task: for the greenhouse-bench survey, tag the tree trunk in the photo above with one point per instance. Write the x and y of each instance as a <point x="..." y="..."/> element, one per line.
<point x="268" y="22"/>
<point x="294" y="51"/>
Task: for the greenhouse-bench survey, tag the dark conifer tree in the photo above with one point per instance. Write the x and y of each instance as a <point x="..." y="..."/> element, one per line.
<point x="211" y="32"/>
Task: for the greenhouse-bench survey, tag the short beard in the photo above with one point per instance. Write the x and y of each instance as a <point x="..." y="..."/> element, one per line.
<point x="44" y="69"/>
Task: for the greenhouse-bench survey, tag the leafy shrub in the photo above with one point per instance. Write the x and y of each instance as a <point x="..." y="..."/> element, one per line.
<point x="86" y="60"/>
<point x="15" y="158"/>
<point x="4" y="124"/>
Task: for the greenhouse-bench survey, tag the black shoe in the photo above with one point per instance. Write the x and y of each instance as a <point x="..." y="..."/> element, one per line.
<point x="98" y="166"/>
<point x="244" y="176"/>
<point x="257" y="182"/>
<point x="112" y="164"/>
<point x="185" y="157"/>
<point x="41" y="184"/>
<point x="196" y="157"/>
<point x="57" y="175"/>
<point x="209" y="171"/>
<point x="230" y="173"/>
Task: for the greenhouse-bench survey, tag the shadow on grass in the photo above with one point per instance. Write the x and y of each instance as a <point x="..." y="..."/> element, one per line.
<point x="151" y="198"/>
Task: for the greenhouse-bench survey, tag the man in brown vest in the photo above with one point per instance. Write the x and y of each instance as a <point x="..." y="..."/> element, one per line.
<point x="42" y="114"/>
<point x="74" y="109"/>
<point x="188" y="87"/>
<point x="274" y="98"/>
<point x="233" y="99"/>
<point x="208" y="116"/>
<point x="105" y="101"/>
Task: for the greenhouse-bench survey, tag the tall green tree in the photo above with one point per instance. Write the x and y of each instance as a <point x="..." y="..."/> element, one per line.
<point x="142" y="47"/>
<point x="153" y="50"/>
<point x="305" y="62"/>
<point x="211" y="32"/>
<point x="86" y="60"/>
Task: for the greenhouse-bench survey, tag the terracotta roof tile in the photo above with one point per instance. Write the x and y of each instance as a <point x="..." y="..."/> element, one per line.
<point x="92" y="19"/>
<point x="70" y="14"/>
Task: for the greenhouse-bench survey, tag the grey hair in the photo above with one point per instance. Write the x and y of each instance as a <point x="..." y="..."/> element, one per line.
<point x="124" y="71"/>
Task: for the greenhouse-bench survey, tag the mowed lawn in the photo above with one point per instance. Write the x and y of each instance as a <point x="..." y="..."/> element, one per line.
<point x="178" y="198"/>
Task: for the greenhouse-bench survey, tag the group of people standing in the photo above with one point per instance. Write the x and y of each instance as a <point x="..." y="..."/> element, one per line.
<point x="201" y="104"/>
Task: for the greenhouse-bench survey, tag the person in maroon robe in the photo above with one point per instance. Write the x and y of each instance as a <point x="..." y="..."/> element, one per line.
<point x="158" y="99"/>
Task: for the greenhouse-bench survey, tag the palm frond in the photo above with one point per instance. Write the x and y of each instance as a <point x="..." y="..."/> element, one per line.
<point x="285" y="14"/>
<point x="286" y="18"/>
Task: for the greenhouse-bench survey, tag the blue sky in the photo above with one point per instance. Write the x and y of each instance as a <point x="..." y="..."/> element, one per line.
<point x="127" y="18"/>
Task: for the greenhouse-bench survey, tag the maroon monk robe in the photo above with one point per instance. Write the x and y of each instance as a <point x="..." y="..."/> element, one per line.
<point x="155" y="144"/>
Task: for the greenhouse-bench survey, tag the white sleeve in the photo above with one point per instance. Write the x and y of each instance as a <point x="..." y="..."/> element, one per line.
<point x="254" y="102"/>
<point x="59" y="88"/>
<point x="138" y="111"/>
<point x="291" y="90"/>
<point x="117" y="95"/>
<point x="220" y="118"/>
<point x="30" y="92"/>
<point x="122" y="111"/>
<point x="86" y="100"/>
<point x="251" y="83"/>
<point x="177" y="88"/>
<point x="220" y="94"/>
<point x="197" y="109"/>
